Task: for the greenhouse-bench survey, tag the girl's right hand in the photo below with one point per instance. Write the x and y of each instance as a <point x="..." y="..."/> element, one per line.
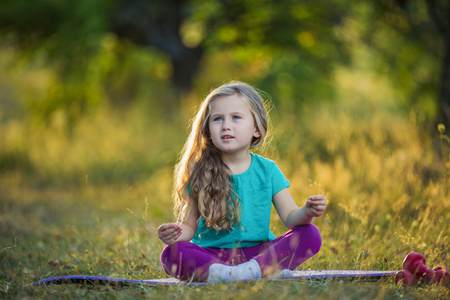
<point x="315" y="206"/>
<point x="169" y="233"/>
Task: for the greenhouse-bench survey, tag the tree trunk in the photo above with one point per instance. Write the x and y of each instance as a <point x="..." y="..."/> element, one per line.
<point x="443" y="116"/>
<point x="157" y="24"/>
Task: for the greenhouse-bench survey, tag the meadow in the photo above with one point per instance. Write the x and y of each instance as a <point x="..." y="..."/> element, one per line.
<point x="87" y="198"/>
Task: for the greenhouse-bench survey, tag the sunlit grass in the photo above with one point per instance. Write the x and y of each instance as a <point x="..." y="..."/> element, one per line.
<point x="74" y="199"/>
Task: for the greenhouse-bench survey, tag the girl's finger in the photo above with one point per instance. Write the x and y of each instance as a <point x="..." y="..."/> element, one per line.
<point x="173" y="234"/>
<point x="314" y="199"/>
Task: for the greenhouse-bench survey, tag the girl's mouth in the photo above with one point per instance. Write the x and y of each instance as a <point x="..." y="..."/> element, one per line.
<point x="227" y="137"/>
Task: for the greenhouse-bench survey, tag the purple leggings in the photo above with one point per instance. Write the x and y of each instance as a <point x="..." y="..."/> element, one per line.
<point x="186" y="261"/>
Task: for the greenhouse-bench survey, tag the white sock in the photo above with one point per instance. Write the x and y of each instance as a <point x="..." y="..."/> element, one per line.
<point x="223" y="273"/>
<point x="283" y="274"/>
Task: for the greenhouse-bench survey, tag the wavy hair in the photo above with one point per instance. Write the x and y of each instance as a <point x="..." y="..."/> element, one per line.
<point x="201" y="178"/>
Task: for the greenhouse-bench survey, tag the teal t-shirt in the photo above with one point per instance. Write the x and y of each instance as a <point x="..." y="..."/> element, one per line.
<point x="255" y="187"/>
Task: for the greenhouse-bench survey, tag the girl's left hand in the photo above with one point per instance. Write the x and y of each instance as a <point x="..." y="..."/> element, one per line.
<point x="315" y="206"/>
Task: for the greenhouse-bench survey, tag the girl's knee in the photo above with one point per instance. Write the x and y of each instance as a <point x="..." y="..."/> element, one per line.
<point x="170" y="258"/>
<point x="308" y="230"/>
<point x="172" y="252"/>
<point x="180" y="260"/>
<point x="310" y="235"/>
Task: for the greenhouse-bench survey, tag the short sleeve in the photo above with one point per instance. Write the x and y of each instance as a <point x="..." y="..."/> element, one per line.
<point x="279" y="181"/>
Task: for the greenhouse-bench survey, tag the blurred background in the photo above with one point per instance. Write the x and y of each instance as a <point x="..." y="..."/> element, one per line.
<point x="106" y="88"/>
<point x="96" y="98"/>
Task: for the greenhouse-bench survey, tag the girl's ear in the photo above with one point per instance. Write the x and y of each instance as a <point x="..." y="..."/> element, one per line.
<point x="257" y="134"/>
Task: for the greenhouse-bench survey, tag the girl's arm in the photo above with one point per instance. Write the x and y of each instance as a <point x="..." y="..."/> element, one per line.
<point x="180" y="232"/>
<point x="291" y="215"/>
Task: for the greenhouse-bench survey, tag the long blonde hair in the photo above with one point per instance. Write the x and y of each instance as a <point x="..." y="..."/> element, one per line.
<point x="201" y="177"/>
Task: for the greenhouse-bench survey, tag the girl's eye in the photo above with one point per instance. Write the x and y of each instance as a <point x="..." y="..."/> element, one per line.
<point x="236" y="117"/>
<point x="217" y="119"/>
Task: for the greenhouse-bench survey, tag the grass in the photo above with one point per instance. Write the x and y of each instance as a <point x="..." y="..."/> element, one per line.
<point x="74" y="200"/>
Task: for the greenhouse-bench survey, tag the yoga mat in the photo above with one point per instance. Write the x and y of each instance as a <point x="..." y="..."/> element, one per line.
<point x="98" y="280"/>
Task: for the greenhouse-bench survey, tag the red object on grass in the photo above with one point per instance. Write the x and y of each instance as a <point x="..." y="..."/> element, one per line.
<point x="441" y="276"/>
<point x="404" y="277"/>
<point x="415" y="270"/>
<point x="415" y="263"/>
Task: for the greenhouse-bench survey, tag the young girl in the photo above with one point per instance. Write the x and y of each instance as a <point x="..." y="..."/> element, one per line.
<point x="223" y="196"/>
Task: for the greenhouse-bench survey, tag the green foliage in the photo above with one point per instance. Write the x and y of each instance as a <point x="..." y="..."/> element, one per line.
<point x="414" y="60"/>
<point x="57" y="28"/>
<point x="288" y="49"/>
<point x="64" y="36"/>
<point x="77" y="42"/>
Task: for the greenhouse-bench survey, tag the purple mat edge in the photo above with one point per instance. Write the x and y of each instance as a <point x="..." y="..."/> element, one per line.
<point x="172" y="281"/>
<point x="93" y="279"/>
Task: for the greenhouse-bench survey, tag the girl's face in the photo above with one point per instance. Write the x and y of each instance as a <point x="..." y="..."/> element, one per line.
<point x="231" y="124"/>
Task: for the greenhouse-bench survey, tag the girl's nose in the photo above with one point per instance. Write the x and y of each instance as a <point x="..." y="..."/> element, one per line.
<point x="225" y="126"/>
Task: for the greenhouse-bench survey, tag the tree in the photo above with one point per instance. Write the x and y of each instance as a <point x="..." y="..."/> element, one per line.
<point x="439" y="12"/>
<point x="157" y="24"/>
<point x="185" y="29"/>
<point x="425" y="24"/>
<point x="70" y="32"/>
<point x="299" y="37"/>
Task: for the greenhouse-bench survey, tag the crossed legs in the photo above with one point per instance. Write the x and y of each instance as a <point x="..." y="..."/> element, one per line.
<point x="186" y="261"/>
